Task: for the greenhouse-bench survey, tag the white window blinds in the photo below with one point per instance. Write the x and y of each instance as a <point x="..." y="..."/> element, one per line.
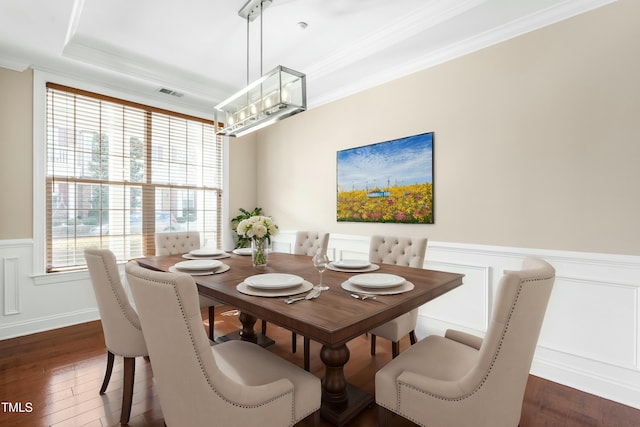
<point x="118" y="172"/>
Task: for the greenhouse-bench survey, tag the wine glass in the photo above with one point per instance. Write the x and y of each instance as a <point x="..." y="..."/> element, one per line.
<point x="320" y="261"/>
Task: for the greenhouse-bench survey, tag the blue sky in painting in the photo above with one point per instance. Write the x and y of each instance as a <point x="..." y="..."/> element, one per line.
<point x="401" y="161"/>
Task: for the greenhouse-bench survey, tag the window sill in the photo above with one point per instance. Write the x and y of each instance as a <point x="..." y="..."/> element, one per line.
<point x="61" y="277"/>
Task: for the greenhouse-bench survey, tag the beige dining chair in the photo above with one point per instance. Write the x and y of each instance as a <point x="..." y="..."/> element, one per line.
<point x="408" y="252"/>
<point x="120" y="324"/>
<point x="235" y="383"/>
<point x="463" y="380"/>
<point x="182" y="242"/>
<point x="308" y="243"/>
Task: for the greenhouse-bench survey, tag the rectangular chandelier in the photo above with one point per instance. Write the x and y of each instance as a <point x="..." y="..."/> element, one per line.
<point x="278" y="94"/>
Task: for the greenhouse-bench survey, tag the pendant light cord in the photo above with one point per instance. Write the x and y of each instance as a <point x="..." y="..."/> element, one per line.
<point x="247" y="50"/>
<point x="260" y="38"/>
<point x="260" y="44"/>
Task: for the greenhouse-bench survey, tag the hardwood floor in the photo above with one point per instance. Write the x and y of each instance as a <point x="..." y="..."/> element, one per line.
<point x="53" y="379"/>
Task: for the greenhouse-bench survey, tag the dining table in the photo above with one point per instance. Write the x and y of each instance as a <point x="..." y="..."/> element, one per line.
<point x="332" y="319"/>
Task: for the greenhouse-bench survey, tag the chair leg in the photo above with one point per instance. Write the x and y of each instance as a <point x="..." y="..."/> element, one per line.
<point x="294" y="342"/>
<point x="264" y="327"/>
<point x="384" y="416"/>
<point x="127" y="388"/>
<point x="373" y="345"/>
<point x="212" y="316"/>
<point x="107" y="374"/>
<point x="412" y="337"/>
<point x="307" y="344"/>
<point x="395" y="349"/>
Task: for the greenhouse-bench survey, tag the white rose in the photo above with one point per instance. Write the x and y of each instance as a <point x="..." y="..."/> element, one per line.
<point x="242" y="227"/>
<point x="259" y="230"/>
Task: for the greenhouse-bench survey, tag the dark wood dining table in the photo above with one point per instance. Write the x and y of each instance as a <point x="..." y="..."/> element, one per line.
<point x="333" y="319"/>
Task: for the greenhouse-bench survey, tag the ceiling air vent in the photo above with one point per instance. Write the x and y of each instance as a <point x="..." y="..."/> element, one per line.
<point x="170" y="92"/>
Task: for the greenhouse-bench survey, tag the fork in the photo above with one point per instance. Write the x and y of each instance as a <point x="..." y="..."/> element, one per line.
<point x="363" y="297"/>
<point x="313" y="294"/>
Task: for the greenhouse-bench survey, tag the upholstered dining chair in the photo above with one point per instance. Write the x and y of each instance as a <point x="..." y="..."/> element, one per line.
<point x="120" y="323"/>
<point x="233" y="383"/>
<point x="310" y="242"/>
<point x="182" y="242"/>
<point x="408" y="252"/>
<point x="463" y="380"/>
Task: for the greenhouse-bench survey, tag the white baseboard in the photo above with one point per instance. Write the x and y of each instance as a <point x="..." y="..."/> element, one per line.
<point x="41" y="324"/>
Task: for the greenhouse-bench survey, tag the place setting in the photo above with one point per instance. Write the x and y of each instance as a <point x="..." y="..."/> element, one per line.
<point x="365" y="286"/>
<point x="200" y="267"/>
<point x="352" y="266"/>
<point x="206" y="253"/>
<point x="274" y="285"/>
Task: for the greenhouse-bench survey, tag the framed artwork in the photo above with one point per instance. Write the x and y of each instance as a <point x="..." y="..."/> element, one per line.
<point x="390" y="181"/>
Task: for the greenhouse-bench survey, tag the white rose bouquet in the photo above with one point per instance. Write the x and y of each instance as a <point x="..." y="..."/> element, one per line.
<point x="259" y="229"/>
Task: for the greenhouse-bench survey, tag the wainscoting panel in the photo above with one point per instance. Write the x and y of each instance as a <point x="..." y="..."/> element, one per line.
<point x="577" y="311"/>
<point x="472" y="300"/>
<point x="34" y="304"/>
<point x="11" y="282"/>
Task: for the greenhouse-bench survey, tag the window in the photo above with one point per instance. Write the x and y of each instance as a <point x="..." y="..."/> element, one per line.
<point x="118" y="172"/>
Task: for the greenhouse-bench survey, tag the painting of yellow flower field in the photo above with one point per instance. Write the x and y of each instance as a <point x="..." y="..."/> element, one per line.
<point x="390" y="181"/>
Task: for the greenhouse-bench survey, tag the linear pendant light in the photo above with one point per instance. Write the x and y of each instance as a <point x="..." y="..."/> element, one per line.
<point x="276" y="95"/>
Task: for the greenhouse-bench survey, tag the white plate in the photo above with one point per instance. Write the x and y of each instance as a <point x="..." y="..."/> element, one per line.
<point x="206" y="252"/>
<point x="242" y="251"/>
<point x="273" y="281"/>
<point x="198" y="264"/>
<point x="351" y="263"/>
<point x="371" y="267"/>
<point x="222" y="256"/>
<point x="270" y="293"/>
<point x="221" y="269"/>
<point x="377" y="280"/>
<point x="405" y="287"/>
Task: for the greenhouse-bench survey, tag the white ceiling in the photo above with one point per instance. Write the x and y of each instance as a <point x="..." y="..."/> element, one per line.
<point x="198" y="47"/>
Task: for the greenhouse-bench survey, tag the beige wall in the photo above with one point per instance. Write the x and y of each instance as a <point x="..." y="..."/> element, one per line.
<point x="242" y="174"/>
<point x="537" y="142"/>
<point x="16" y="154"/>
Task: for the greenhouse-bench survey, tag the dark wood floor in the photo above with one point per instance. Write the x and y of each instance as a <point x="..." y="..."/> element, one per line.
<point x="58" y="374"/>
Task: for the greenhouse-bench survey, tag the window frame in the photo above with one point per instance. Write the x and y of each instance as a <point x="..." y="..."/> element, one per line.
<point x="40" y="80"/>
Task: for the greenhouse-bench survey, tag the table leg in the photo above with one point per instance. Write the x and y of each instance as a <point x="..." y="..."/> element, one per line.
<point x="247" y="333"/>
<point x="341" y="401"/>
